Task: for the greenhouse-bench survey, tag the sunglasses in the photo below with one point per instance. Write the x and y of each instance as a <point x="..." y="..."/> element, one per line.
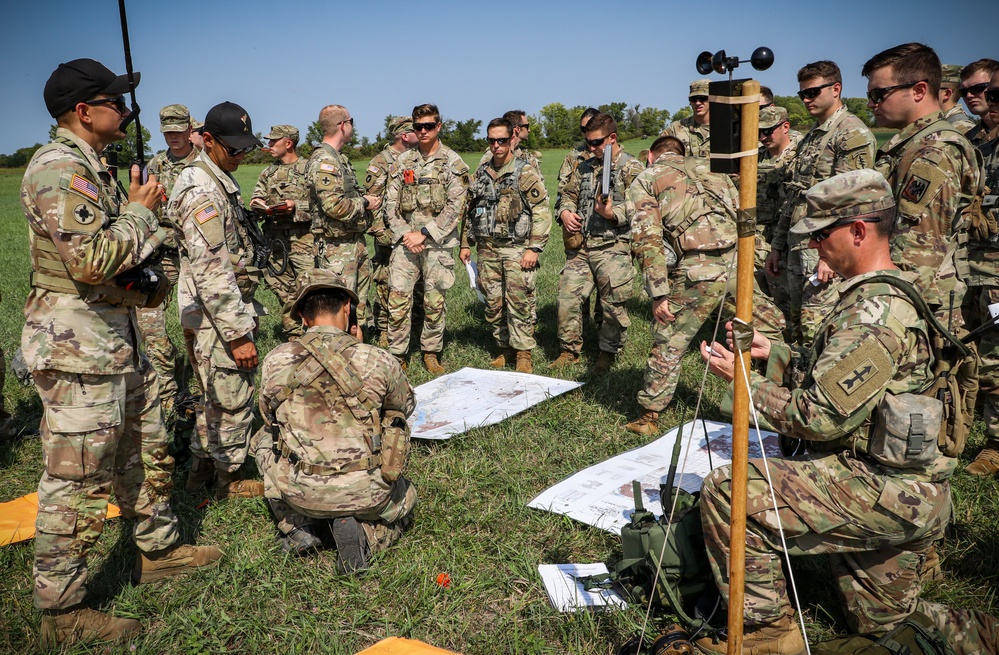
<point x="503" y="140"/>
<point x="235" y="152"/>
<point x="119" y="103"/>
<point x="424" y="127"/>
<point x="770" y="130"/>
<point x="596" y="143"/>
<point x="526" y="126"/>
<point x="821" y="236"/>
<point x="877" y="96"/>
<point x="349" y="120"/>
<point x="974" y="89"/>
<point x="812" y="92"/>
<point x="700" y="99"/>
<point x="992" y="96"/>
<point x="769" y="104"/>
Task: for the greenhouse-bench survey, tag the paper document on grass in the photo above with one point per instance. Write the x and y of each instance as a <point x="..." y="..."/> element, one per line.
<point x="473" y="278"/>
<point x="602" y="495"/>
<point x="567" y="593"/>
<point x="472" y="397"/>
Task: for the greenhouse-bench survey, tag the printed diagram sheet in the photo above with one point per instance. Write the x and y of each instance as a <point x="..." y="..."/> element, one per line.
<point x="567" y="593"/>
<point x="602" y="495"/>
<point x="472" y="398"/>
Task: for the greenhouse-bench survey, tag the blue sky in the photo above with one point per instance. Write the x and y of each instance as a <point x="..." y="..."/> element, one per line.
<point x="284" y="61"/>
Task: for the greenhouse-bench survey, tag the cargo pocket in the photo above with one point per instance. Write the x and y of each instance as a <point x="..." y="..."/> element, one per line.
<point x="67" y="454"/>
<point x="401" y="502"/>
<point x="444" y="275"/>
<point x="56" y="522"/>
<point x="705" y="272"/>
<point x="229" y="389"/>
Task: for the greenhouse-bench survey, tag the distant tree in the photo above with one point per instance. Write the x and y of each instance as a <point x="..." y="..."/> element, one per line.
<point x="683" y="112"/>
<point x="559" y="126"/>
<point x="258" y="156"/>
<point x="797" y="115"/>
<point x="615" y="110"/>
<point x="314" y="135"/>
<point x="19" y="157"/>
<point x="641" y="123"/>
<point x="858" y="107"/>
<point x="460" y="135"/>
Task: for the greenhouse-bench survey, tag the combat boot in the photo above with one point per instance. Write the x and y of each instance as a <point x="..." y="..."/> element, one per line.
<point x="202" y="473"/>
<point x="173" y="561"/>
<point x="431" y="363"/>
<point x="402" y="361"/>
<point x="8" y="429"/>
<point x="351" y="545"/>
<point x="300" y="541"/>
<point x="505" y="358"/>
<point x="782" y="637"/>
<point x="987" y="462"/>
<point x="226" y="487"/>
<point x="604" y="362"/>
<point x="565" y="358"/>
<point x="931" y="570"/>
<point x="81" y="624"/>
<point x="524" y="363"/>
<point x="646" y="425"/>
<point x="383" y="340"/>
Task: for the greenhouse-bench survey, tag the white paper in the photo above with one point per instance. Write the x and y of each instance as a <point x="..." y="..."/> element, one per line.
<point x="473" y="278"/>
<point x="567" y="593"/>
<point x="994" y="310"/>
<point x="602" y="495"/>
<point x="472" y="397"/>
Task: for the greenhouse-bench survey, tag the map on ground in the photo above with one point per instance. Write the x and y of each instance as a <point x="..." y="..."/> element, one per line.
<point x="473" y="398"/>
<point x="602" y="495"/>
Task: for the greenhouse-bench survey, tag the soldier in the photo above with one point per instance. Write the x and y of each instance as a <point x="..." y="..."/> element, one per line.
<point x="767" y="100"/>
<point x="974" y="81"/>
<point x="508" y="221"/>
<point x="521" y="129"/>
<point x="175" y="124"/>
<point x="604" y="254"/>
<point x="680" y="203"/>
<point x="7" y="425"/>
<point x="423" y="205"/>
<point x="875" y="511"/>
<point x="950" y="83"/>
<point x="102" y="427"/>
<point x="282" y="198"/>
<point x="196" y="139"/>
<point x="218" y="278"/>
<point x="381" y="168"/>
<point x="776" y="155"/>
<point x="694" y="131"/>
<point x="340" y="213"/>
<point x="838" y="142"/>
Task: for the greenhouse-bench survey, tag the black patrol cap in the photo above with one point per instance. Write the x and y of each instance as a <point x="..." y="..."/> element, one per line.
<point x="80" y="80"/>
<point x="230" y="123"/>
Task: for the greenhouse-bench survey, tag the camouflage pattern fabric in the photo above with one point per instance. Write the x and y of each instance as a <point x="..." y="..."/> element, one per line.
<point x="877" y="522"/>
<point x="326" y="436"/>
<point x="569" y="164"/>
<point x="771" y="173"/>
<point x="380" y="169"/>
<point x="959" y="119"/>
<point x="216" y="304"/>
<point x="968" y="632"/>
<point x="696" y="138"/>
<point x="533" y="157"/>
<point x="840" y="143"/>
<point x="435" y="202"/>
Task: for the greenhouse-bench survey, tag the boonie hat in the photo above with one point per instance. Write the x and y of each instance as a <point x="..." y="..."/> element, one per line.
<point x="698" y="88"/>
<point x="315" y="279"/>
<point x="400" y="125"/>
<point x="80" y="80"/>
<point x="283" y="132"/>
<point x="847" y="195"/>
<point x="230" y="122"/>
<point x="174" y="118"/>
<point x="772" y="116"/>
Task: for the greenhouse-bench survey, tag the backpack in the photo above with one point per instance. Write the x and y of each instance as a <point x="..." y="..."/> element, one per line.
<point x="916" y="635"/>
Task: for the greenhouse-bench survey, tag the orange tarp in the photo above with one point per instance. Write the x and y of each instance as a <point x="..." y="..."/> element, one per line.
<point x="17" y="519"/>
<point x="400" y="646"/>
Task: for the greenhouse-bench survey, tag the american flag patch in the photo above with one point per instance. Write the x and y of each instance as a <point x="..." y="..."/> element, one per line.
<point x="206" y="214"/>
<point x="84" y="187"/>
<point x="327" y="167"/>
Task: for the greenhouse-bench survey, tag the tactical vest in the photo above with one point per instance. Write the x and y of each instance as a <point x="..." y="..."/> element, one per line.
<point x="711" y="226"/>
<point x="288" y="181"/>
<point x="595" y="225"/>
<point x="49" y="272"/>
<point x="355" y="226"/>
<point x="501" y="211"/>
<point x="426" y="194"/>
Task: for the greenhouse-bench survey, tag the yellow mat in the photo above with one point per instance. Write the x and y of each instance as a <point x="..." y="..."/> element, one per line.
<point x="400" y="646"/>
<point x="17" y="519"/>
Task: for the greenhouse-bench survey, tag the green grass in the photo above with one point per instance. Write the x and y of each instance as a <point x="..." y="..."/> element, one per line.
<point x="471" y="522"/>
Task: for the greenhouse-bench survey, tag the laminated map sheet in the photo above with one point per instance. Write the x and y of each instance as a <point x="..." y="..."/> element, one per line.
<point x="472" y="398"/>
<point x="568" y="594"/>
<point x="602" y="495"/>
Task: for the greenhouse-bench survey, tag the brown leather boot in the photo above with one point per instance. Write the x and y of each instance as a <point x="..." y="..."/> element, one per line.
<point x="202" y="473"/>
<point x="173" y="561"/>
<point x="81" y="624"/>
<point x="987" y="462"/>
<point x="565" y="358"/>
<point x="931" y="566"/>
<point x="431" y="363"/>
<point x="782" y="637"/>
<point x="226" y="486"/>
<point x="506" y="357"/>
<point x="604" y="362"/>
<point x="646" y="425"/>
<point x="524" y="363"/>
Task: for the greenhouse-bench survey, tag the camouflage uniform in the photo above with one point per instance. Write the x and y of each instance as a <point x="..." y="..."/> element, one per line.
<point x="321" y="461"/>
<point x="433" y="204"/>
<point x="339" y="220"/>
<point x="507" y="214"/>
<point x="968" y="632"/>
<point x="960" y="120"/>
<point x="279" y="182"/>
<point x="103" y="426"/>
<point x="696" y="138"/>
<point x="7" y="427"/>
<point x="532" y="157"/>
<point x="217" y="283"/>
<point x="771" y="173"/>
<point x="678" y="201"/>
<point x="841" y="143"/>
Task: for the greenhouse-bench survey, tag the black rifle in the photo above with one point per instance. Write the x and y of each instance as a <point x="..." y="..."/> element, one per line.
<point x="262" y="246"/>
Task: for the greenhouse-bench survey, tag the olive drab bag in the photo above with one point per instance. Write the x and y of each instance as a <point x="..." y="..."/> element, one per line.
<point x="916" y="635"/>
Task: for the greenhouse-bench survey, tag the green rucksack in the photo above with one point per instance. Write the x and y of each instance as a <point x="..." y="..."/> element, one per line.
<point x="916" y="635"/>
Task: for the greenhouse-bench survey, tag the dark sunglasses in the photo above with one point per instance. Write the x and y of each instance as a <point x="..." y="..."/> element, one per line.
<point x="118" y="102"/>
<point x="992" y="96"/>
<point x="812" y="92"/>
<point x="769" y="130"/>
<point x="526" y="126"/>
<point x="821" y="236"/>
<point x="877" y="96"/>
<point x="596" y="143"/>
<point x="424" y="127"/>
<point x="503" y="140"/>
<point x="974" y="89"/>
<point x="698" y="98"/>
<point x="235" y="152"/>
<point x="349" y="120"/>
<point x="769" y="104"/>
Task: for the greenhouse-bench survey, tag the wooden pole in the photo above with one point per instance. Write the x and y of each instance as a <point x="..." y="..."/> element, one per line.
<point x="740" y="408"/>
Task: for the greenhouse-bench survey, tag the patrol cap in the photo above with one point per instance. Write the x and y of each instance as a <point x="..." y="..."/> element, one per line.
<point x="230" y="122"/>
<point x="772" y="116"/>
<point x="400" y="125"/>
<point x="283" y="132"/>
<point x="951" y="74"/>
<point x="80" y="80"/>
<point x="314" y="280"/>
<point x="197" y="126"/>
<point x="174" y="118"/>
<point x="699" y="88"/>
<point x="847" y="195"/>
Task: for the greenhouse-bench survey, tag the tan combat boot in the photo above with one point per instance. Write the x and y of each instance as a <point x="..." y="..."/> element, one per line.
<point x="431" y="363"/>
<point x="524" y="363"/>
<point x="782" y="637"/>
<point x="227" y="487"/>
<point x="202" y="473"/>
<point x="81" y="624"/>
<point x="604" y="362"/>
<point x="646" y="425"/>
<point x="931" y="570"/>
<point x="402" y="361"/>
<point x="564" y="359"/>
<point x="505" y="357"/>
<point x="173" y="561"/>
<point x="987" y="462"/>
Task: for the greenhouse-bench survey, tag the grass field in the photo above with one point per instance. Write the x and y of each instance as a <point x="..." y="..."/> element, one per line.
<point x="472" y="521"/>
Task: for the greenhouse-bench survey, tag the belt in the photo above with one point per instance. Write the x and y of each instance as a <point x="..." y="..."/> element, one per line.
<point x="291" y="231"/>
<point x="368" y="463"/>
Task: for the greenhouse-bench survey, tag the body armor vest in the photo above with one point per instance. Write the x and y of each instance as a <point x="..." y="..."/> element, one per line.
<point x="501" y="210"/>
